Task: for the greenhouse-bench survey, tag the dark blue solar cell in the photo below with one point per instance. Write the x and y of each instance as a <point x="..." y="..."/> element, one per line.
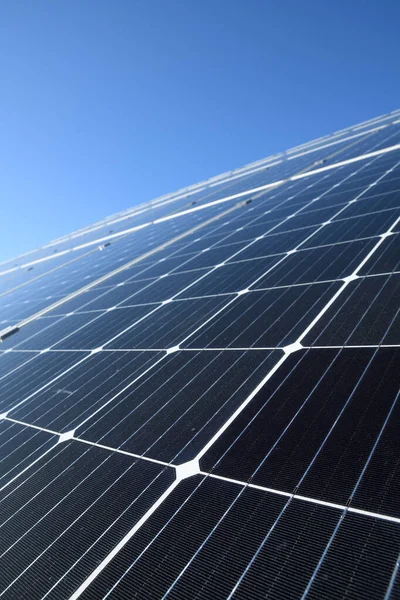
<point x="367" y="312"/>
<point x="264" y="319"/>
<point x="175" y="409"/>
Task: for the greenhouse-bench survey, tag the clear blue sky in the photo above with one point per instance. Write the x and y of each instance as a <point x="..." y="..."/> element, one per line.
<point x="105" y="104"/>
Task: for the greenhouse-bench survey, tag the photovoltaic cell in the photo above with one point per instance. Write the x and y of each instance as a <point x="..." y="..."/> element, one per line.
<point x="275" y="243"/>
<point x="169" y="325"/>
<point x="100" y="327"/>
<point x="360" y="561"/>
<point x="73" y="505"/>
<point x="386" y="259"/>
<point x="35" y="372"/>
<point x="70" y="399"/>
<point x="317" y="264"/>
<point x="20" y="447"/>
<point x="269" y="318"/>
<point x="355" y="228"/>
<point x="199" y="397"/>
<point x="173" y="411"/>
<point x="231" y="277"/>
<point x="367" y="313"/>
<point x="197" y="520"/>
<point x="311" y="428"/>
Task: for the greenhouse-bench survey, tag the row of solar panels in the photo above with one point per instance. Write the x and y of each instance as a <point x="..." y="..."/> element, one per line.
<point x="217" y="419"/>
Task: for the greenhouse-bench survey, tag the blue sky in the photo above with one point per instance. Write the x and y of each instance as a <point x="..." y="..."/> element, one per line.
<point x="107" y="104"/>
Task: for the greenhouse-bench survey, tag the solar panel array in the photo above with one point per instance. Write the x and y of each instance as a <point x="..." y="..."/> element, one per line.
<point x="199" y="397"/>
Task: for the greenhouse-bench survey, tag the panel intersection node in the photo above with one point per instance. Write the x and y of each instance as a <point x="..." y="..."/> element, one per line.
<point x="295" y="347"/>
<point x="349" y="278"/>
<point x="173" y="349"/>
<point x="64" y="437"/>
<point x="187" y="469"/>
<point x="96" y="350"/>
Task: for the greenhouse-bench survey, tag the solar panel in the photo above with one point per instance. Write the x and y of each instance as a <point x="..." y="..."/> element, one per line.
<point x="199" y="397"/>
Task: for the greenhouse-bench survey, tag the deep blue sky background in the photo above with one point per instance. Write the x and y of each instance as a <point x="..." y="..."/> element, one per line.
<point x="107" y="104"/>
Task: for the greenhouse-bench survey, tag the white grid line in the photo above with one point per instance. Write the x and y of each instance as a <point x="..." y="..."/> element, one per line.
<point x="176" y="467"/>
